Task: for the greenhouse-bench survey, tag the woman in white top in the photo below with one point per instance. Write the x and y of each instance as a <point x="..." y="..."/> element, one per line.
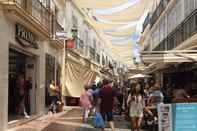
<point x="137" y="104"/>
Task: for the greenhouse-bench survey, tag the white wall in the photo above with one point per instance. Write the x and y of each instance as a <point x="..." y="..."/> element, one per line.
<point x="170" y="20"/>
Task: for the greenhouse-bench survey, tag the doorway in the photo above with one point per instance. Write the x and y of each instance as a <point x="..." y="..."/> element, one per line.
<point x="22" y="83"/>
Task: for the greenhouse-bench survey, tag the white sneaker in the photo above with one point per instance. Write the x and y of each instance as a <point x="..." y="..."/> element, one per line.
<point x="26" y="116"/>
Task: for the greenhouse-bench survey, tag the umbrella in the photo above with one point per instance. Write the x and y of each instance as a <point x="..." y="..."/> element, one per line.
<point x="139" y="76"/>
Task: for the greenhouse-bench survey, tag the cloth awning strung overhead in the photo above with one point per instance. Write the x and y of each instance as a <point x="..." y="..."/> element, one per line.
<point x="169" y="56"/>
<point x="130" y="14"/>
<point x="115" y="18"/>
<point x="99" y="3"/>
<point x="121" y="33"/>
<point x="103" y="26"/>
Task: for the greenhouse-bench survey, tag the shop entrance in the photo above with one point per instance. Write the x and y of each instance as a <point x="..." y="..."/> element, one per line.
<point x="22" y="82"/>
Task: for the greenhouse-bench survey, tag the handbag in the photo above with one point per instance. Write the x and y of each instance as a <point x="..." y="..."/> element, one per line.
<point x="98" y="121"/>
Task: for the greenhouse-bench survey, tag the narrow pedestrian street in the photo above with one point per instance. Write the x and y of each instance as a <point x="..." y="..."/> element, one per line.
<point x="133" y="61"/>
<point x="70" y="120"/>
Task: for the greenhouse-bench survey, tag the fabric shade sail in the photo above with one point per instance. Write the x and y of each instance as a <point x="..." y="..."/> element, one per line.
<point x="121" y="33"/>
<point x="102" y="25"/>
<point x="130" y="14"/>
<point x="115" y="20"/>
<point x="77" y="76"/>
<point x="99" y="3"/>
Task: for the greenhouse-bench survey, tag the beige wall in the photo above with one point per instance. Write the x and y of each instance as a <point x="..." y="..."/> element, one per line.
<point x="4" y="73"/>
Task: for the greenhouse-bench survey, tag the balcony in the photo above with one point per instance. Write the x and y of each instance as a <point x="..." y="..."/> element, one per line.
<point x="181" y="33"/>
<point x="159" y="10"/>
<point x="32" y="13"/>
<point x="56" y="27"/>
<point x="79" y="45"/>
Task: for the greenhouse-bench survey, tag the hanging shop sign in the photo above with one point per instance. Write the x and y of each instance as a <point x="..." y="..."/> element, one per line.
<point x="25" y="38"/>
<point x="71" y="43"/>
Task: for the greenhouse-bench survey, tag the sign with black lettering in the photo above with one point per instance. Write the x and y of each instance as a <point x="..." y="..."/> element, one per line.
<point x="23" y="34"/>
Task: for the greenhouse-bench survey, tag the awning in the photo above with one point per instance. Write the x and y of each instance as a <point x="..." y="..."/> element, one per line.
<point x="130" y="14"/>
<point x="99" y="3"/>
<point x="174" y="56"/>
<point x="115" y="18"/>
<point x="77" y="76"/>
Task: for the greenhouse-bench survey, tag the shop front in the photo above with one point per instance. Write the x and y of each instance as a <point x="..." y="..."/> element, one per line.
<point x="22" y="69"/>
<point x="182" y="76"/>
<point x="22" y="84"/>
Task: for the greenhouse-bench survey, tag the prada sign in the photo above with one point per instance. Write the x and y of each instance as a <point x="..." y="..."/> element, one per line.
<point x="25" y="38"/>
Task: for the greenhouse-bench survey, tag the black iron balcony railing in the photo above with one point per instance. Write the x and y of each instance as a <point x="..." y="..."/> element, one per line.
<point x="56" y="27"/>
<point x="34" y="8"/>
<point x="181" y="33"/>
<point x="160" y="8"/>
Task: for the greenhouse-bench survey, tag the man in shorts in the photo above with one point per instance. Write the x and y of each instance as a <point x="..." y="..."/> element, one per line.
<point x="107" y="95"/>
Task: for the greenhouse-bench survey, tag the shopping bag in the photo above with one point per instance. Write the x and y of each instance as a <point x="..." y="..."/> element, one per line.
<point x="98" y="121"/>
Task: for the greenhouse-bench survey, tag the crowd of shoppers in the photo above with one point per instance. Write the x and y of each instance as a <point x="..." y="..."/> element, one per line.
<point x="99" y="99"/>
<point x="105" y="97"/>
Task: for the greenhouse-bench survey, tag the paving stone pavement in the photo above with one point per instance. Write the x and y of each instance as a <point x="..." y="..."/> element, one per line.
<point x="70" y="120"/>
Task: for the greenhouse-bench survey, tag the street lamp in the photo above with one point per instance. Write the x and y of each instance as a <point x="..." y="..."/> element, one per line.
<point x="64" y="36"/>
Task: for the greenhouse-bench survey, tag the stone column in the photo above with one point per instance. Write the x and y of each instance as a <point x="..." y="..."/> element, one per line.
<point x="4" y="37"/>
<point x="40" y="90"/>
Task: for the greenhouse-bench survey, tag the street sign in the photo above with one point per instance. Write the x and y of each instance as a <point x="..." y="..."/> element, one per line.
<point x="64" y="35"/>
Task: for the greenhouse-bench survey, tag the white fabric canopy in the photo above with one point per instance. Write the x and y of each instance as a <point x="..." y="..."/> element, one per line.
<point x="99" y="3"/>
<point x="122" y="33"/>
<point x="130" y="14"/>
<point x="114" y="20"/>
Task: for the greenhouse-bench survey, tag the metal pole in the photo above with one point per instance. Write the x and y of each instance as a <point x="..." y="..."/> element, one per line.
<point x="65" y="61"/>
<point x="63" y="74"/>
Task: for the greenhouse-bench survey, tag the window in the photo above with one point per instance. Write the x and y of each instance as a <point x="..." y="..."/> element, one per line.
<point x="86" y="39"/>
<point x="94" y="44"/>
<point x="74" y="21"/>
<point x="103" y="60"/>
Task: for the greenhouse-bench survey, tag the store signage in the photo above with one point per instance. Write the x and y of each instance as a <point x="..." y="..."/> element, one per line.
<point x="185" y="117"/>
<point x="71" y="43"/>
<point x="165" y="117"/>
<point x="25" y="37"/>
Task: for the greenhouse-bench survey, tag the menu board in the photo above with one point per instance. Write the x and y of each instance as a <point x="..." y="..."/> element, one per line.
<point x="185" y="117"/>
<point x="165" y="117"/>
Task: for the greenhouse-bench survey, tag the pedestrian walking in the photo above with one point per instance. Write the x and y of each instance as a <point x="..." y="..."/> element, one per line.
<point x="136" y="104"/>
<point x="86" y="103"/>
<point x="156" y="96"/>
<point x="22" y="86"/>
<point x="53" y="93"/>
<point x="107" y="95"/>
